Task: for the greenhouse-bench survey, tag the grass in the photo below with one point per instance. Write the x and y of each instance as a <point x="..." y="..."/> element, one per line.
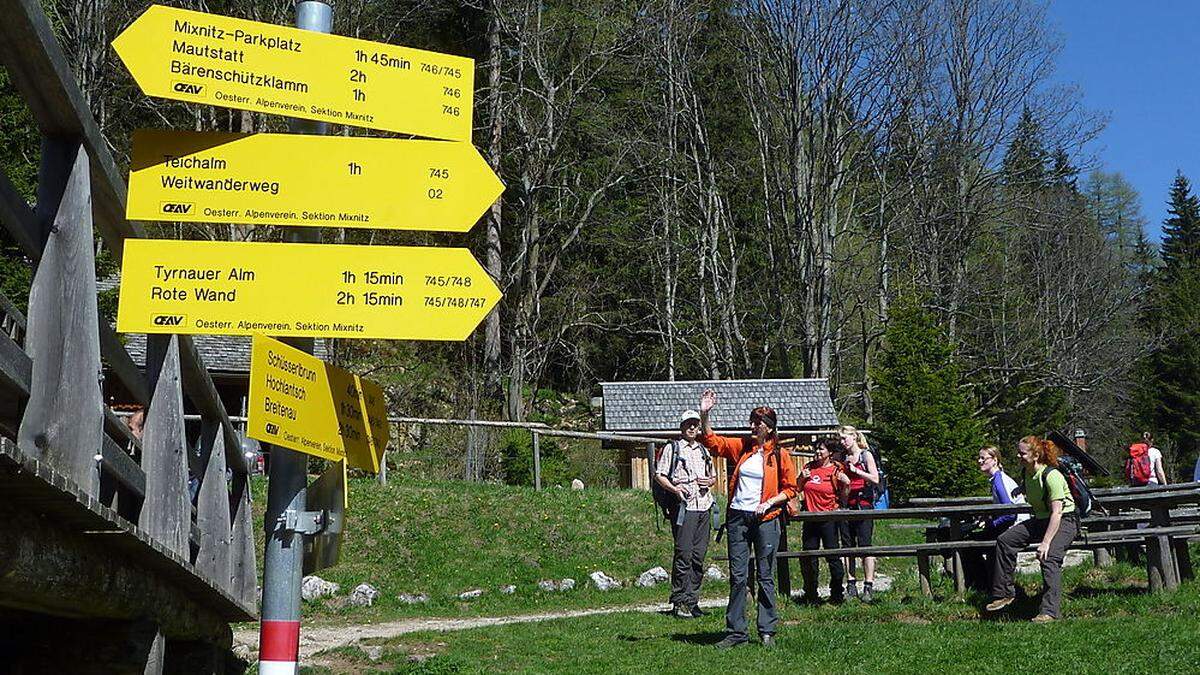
<point x="1112" y="626"/>
<point x="444" y="538"/>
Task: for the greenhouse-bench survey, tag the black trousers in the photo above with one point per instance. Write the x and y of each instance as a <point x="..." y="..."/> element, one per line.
<point x="744" y="530"/>
<point x="687" y="563"/>
<point x="816" y="535"/>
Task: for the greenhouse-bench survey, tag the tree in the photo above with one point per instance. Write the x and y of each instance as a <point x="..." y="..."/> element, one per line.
<point x="926" y="421"/>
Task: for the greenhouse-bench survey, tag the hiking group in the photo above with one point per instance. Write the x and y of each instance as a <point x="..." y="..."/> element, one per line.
<point x="764" y="488"/>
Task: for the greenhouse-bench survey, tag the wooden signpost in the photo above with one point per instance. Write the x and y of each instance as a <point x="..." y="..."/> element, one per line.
<point x="234" y="63"/>
<point x="342" y="181"/>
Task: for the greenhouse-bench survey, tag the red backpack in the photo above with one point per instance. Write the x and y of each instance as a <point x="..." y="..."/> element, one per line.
<point x="1137" y="467"/>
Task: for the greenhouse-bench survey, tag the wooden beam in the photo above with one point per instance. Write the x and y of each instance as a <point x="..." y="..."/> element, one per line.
<point x="63" y="424"/>
<point x="203" y="394"/>
<point x="212" y="507"/>
<point x="166" y="512"/>
<point x="122" y="365"/>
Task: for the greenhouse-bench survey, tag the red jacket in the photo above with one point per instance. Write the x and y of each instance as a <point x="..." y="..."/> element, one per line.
<point x="774" y="481"/>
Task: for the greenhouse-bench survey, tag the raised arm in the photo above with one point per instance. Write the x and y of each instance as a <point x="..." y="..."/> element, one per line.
<point x="718" y="445"/>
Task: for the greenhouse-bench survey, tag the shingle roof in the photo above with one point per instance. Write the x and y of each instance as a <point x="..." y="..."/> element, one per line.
<point x="221" y="353"/>
<point x="655" y="406"/>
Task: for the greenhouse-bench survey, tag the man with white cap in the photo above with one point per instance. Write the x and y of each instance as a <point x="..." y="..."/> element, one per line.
<point x="685" y="469"/>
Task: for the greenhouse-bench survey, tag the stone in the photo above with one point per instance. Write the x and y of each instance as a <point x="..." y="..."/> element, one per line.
<point x="652" y="577"/>
<point x="604" y="582"/>
<point x="566" y="584"/>
<point x="471" y="594"/>
<point x="508" y="590"/>
<point x="412" y="599"/>
<point x="314" y="587"/>
<point x="548" y="585"/>
<point x="374" y="653"/>
<point x="1027" y="562"/>
<point x="576" y="484"/>
<point x="714" y="573"/>
<point x="364" y="595"/>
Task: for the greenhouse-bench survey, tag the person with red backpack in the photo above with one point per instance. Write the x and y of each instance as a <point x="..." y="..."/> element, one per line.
<point x="1145" y="463"/>
<point x="1055" y="523"/>
<point x="761" y="484"/>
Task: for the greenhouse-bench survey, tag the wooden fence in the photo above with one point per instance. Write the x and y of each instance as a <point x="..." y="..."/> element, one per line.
<point x="51" y="372"/>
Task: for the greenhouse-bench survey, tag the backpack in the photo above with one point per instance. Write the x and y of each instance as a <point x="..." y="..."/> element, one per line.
<point x="1137" y="467"/>
<point x="664" y="499"/>
<point x="1072" y="471"/>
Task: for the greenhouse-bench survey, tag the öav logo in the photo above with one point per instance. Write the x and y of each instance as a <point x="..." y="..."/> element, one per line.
<point x="167" y="319"/>
<point x="272" y="428"/>
<point x="188" y="88"/>
<point x="182" y="208"/>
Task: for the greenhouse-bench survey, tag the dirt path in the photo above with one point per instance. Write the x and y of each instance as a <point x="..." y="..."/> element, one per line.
<point x="316" y="639"/>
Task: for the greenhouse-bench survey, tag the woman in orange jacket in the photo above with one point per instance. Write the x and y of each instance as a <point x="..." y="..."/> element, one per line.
<point x="762" y="482"/>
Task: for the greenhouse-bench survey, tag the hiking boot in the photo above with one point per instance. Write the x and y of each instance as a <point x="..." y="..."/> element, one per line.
<point x="852" y="589"/>
<point x="1043" y="618"/>
<point x="768" y="641"/>
<point x="696" y="612"/>
<point x="731" y="641"/>
<point x="866" y="594"/>
<point x="999" y="604"/>
<point x="837" y="598"/>
<point x="681" y="612"/>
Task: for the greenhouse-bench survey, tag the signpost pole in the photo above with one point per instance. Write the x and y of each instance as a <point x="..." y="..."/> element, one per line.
<point x="537" y="462"/>
<point x="283" y="559"/>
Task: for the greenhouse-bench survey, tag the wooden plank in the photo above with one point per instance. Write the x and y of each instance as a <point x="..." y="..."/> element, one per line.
<point x="203" y="394"/>
<point x="118" y="464"/>
<point x="122" y="365"/>
<point x="242" y="562"/>
<point x="63" y="422"/>
<point x="212" y="507"/>
<point x="15" y="367"/>
<point x="41" y="73"/>
<point x="18" y="219"/>
<point x="166" y="513"/>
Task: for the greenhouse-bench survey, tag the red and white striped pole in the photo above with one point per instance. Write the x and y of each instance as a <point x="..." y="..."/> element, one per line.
<point x="283" y="559"/>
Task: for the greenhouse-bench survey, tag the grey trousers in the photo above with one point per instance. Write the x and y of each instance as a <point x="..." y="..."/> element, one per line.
<point x="687" y="563"/>
<point x="744" y="529"/>
<point x="1018" y="537"/>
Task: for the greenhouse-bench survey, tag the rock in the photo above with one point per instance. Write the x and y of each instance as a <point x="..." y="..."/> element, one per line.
<point x="471" y="594"/>
<point x="314" y="587"/>
<point x="576" y="484"/>
<point x="412" y="599"/>
<point x="714" y="573"/>
<point x="243" y="651"/>
<point x="548" y="585"/>
<point x="1027" y="562"/>
<point x="566" y="584"/>
<point x="604" y="582"/>
<point x="508" y="590"/>
<point x="652" y="577"/>
<point x="364" y="595"/>
<point x="374" y="653"/>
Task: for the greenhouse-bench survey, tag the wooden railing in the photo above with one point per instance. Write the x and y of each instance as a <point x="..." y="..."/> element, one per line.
<point x="51" y="359"/>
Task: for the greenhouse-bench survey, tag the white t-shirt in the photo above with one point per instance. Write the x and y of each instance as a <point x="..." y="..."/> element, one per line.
<point x="749" y="488"/>
<point x="1155" y="464"/>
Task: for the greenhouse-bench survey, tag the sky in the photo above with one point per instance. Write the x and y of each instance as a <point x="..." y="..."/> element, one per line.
<point x="1139" y="62"/>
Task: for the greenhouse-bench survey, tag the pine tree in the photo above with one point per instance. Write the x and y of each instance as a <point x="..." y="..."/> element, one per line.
<point x="1026" y="158"/>
<point x="1171" y="388"/>
<point x="926" y="423"/>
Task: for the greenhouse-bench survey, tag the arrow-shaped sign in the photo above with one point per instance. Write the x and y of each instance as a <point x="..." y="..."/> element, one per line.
<point x="320" y="290"/>
<point x="234" y="63"/>
<point x="289" y="179"/>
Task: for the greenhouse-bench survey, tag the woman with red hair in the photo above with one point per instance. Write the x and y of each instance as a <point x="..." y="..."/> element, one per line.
<point x="1055" y="523"/>
<point x="762" y="482"/>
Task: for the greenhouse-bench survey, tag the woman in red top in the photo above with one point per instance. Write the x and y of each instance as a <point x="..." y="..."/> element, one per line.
<point x="762" y="482"/>
<point x="822" y="481"/>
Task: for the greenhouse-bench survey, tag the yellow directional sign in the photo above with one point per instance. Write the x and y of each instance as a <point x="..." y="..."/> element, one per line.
<point x="234" y="63"/>
<point x="300" y="402"/>
<point x="321" y="290"/>
<point x="290" y="179"/>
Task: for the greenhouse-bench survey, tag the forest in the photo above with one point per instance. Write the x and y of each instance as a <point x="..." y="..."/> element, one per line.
<point x="895" y="196"/>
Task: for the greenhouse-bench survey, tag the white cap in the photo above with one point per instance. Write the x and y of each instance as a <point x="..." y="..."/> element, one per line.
<point x="689" y="415"/>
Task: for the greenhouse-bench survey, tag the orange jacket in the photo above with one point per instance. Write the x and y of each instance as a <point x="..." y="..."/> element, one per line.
<point x="774" y="482"/>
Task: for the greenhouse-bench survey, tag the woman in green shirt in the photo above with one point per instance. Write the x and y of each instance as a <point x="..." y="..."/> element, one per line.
<point x="1054" y="525"/>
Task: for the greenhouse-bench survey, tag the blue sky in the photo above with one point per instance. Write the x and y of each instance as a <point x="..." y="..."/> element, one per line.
<point x="1139" y="62"/>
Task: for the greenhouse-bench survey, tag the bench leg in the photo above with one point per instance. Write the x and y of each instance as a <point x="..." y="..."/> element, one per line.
<point x="1101" y="557"/>
<point x="1160" y="564"/>
<point x="960" y="578"/>
<point x="1183" y="558"/>
<point x="923" y="573"/>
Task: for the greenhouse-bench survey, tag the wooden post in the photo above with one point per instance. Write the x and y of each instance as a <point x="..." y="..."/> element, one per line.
<point x="242" y="570"/>
<point x="537" y="461"/>
<point x="960" y="580"/>
<point x="212" y="509"/>
<point x="784" y="572"/>
<point x="166" y="512"/>
<point x="64" y="421"/>
<point x="923" y="573"/>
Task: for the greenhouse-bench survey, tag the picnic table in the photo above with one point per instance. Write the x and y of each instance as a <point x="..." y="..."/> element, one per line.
<point x="1164" y="531"/>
